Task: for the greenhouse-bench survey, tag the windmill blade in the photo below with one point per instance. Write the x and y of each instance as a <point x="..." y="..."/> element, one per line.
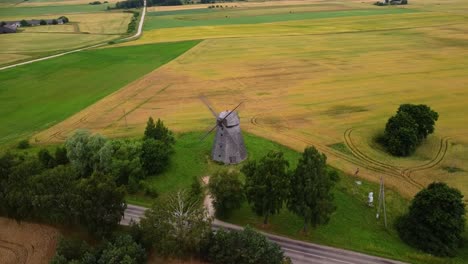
<point x="207" y="103"/>
<point x="207" y="133"/>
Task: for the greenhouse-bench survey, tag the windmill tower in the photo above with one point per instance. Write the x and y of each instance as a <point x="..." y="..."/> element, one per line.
<point x="228" y="146"/>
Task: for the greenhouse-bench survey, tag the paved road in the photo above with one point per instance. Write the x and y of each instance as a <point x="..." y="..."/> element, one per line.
<point x="299" y="252"/>
<point x="137" y="34"/>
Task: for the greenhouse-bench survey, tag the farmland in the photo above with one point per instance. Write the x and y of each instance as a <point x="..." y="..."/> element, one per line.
<point x="44" y="93"/>
<point x="26" y="242"/>
<point x="326" y="82"/>
<point x="89" y="24"/>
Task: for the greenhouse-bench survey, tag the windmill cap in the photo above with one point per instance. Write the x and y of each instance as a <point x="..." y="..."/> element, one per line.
<point x="231" y="120"/>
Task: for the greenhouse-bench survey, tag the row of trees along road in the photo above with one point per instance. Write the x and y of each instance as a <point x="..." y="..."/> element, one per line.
<point x="269" y="185"/>
<point x="406" y="130"/>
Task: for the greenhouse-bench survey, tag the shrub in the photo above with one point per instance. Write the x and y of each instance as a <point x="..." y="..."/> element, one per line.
<point x="435" y="220"/>
<point x="23" y="144"/>
<point x="43" y="22"/>
<point x="247" y="246"/>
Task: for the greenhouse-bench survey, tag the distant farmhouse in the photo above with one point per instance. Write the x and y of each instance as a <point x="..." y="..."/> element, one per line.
<point x="391" y="2"/>
<point x="12" y="26"/>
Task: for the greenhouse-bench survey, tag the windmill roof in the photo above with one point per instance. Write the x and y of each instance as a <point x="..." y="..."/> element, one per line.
<point x="231" y="120"/>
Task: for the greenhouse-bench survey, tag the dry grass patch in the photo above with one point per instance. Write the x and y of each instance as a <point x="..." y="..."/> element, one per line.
<point x="26" y="243"/>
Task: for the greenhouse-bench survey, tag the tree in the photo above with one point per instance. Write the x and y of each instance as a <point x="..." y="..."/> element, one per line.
<point x="196" y="189"/>
<point x="102" y="203"/>
<point x="24" y="23"/>
<point x="83" y="152"/>
<point x="54" y="195"/>
<point x="23" y="144"/>
<point x="435" y="220"/>
<point x="310" y="194"/>
<point x="424" y="117"/>
<point x="400" y="136"/>
<point x="176" y="225"/>
<point x="408" y="128"/>
<point x="123" y="250"/>
<point x="266" y="184"/>
<point x="126" y="163"/>
<point x="158" y="132"/>
<point x="46" y="159"/>
<point x="43" y="22"/>
<point x="54" y="22"/>
<point x="227" y="191"/>
<point x="154" y="156"/>
<point x="61" y="156"/>
<point x="246" y="246"/>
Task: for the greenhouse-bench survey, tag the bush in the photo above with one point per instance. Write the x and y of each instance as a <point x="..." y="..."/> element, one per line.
<point x="23" y="144"/>
<point x="227" y="191"/>
<point x="43" y="22"/>
<point x="435" y="220"/>
<point x="247" y="246"/>
<point x="155" y="156"/>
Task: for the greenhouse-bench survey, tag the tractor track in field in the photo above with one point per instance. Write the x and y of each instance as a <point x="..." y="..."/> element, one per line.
<point x="21" y="252"/>
<point x="323" y="148"/>
<point x="406" y="172"/>
<point x="394" y="170"/>
<point x="438" y="158"/>
<point x="363" y="160"/>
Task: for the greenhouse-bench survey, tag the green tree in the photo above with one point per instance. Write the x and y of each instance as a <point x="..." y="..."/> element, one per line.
<point x="43" y="22"/>
<point x="154" y="156"/>
<point x="54" y="22"/>
<point x="102" y="203"/>
<point x="266" y="184"/>
<point x="24" y="23"/>
<point x="83" y="151"/>
<point x="400" y="136"/>
<point x="123" y="250"/>
<point x="310" y="194"/>
<point x="46" y="159"/>
<point x="61" y="156"/>
<point x="247" y="246"/>
<point x="54" y="195"/>
<point x="435" y="220"/>
<point x="126" y="163"/>
<point x="158" y="132"/>
<point x="176" y="225"/>
<point x="23" y="144"/>
<point x="227" y="191"/>
<point x="424" y="117"/>
<point x="196" y="189"/>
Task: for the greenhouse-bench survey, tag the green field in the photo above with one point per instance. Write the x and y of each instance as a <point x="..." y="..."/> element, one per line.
<point x="37" y="95"/>
<point x="216" y="17"/>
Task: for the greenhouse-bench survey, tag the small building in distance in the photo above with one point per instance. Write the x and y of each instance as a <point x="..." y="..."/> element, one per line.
<point x="7" y="29"/>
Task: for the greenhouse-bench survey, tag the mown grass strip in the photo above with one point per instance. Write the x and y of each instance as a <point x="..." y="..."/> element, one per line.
<point x="38" y="95"/>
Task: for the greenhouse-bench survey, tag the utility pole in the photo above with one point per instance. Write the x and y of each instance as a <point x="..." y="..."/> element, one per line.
<point x="382" y="202"/>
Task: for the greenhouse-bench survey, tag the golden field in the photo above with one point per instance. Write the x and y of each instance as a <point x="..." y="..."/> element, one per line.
<point x="26" y="243"/>
<point x="331" y="82"/>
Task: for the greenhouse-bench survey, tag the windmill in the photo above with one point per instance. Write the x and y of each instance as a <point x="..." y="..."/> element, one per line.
<point x="228" y="146"/>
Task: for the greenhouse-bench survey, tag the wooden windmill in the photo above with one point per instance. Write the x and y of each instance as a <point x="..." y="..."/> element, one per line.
<point x="228" y="146"/>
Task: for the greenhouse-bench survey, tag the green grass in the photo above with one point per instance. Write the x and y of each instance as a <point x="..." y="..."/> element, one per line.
<point x="29" y="12"/>
<point x="192" y="159"/>
<point x="352" y="226"/>
<point x="38" y="95"/>
<point x="156" y="20"/>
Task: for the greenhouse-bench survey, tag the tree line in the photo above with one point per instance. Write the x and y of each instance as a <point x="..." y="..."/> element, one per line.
<point x="269" y="185"/>
<point x="84" y="182"/>
<point x="140" y="3"/>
